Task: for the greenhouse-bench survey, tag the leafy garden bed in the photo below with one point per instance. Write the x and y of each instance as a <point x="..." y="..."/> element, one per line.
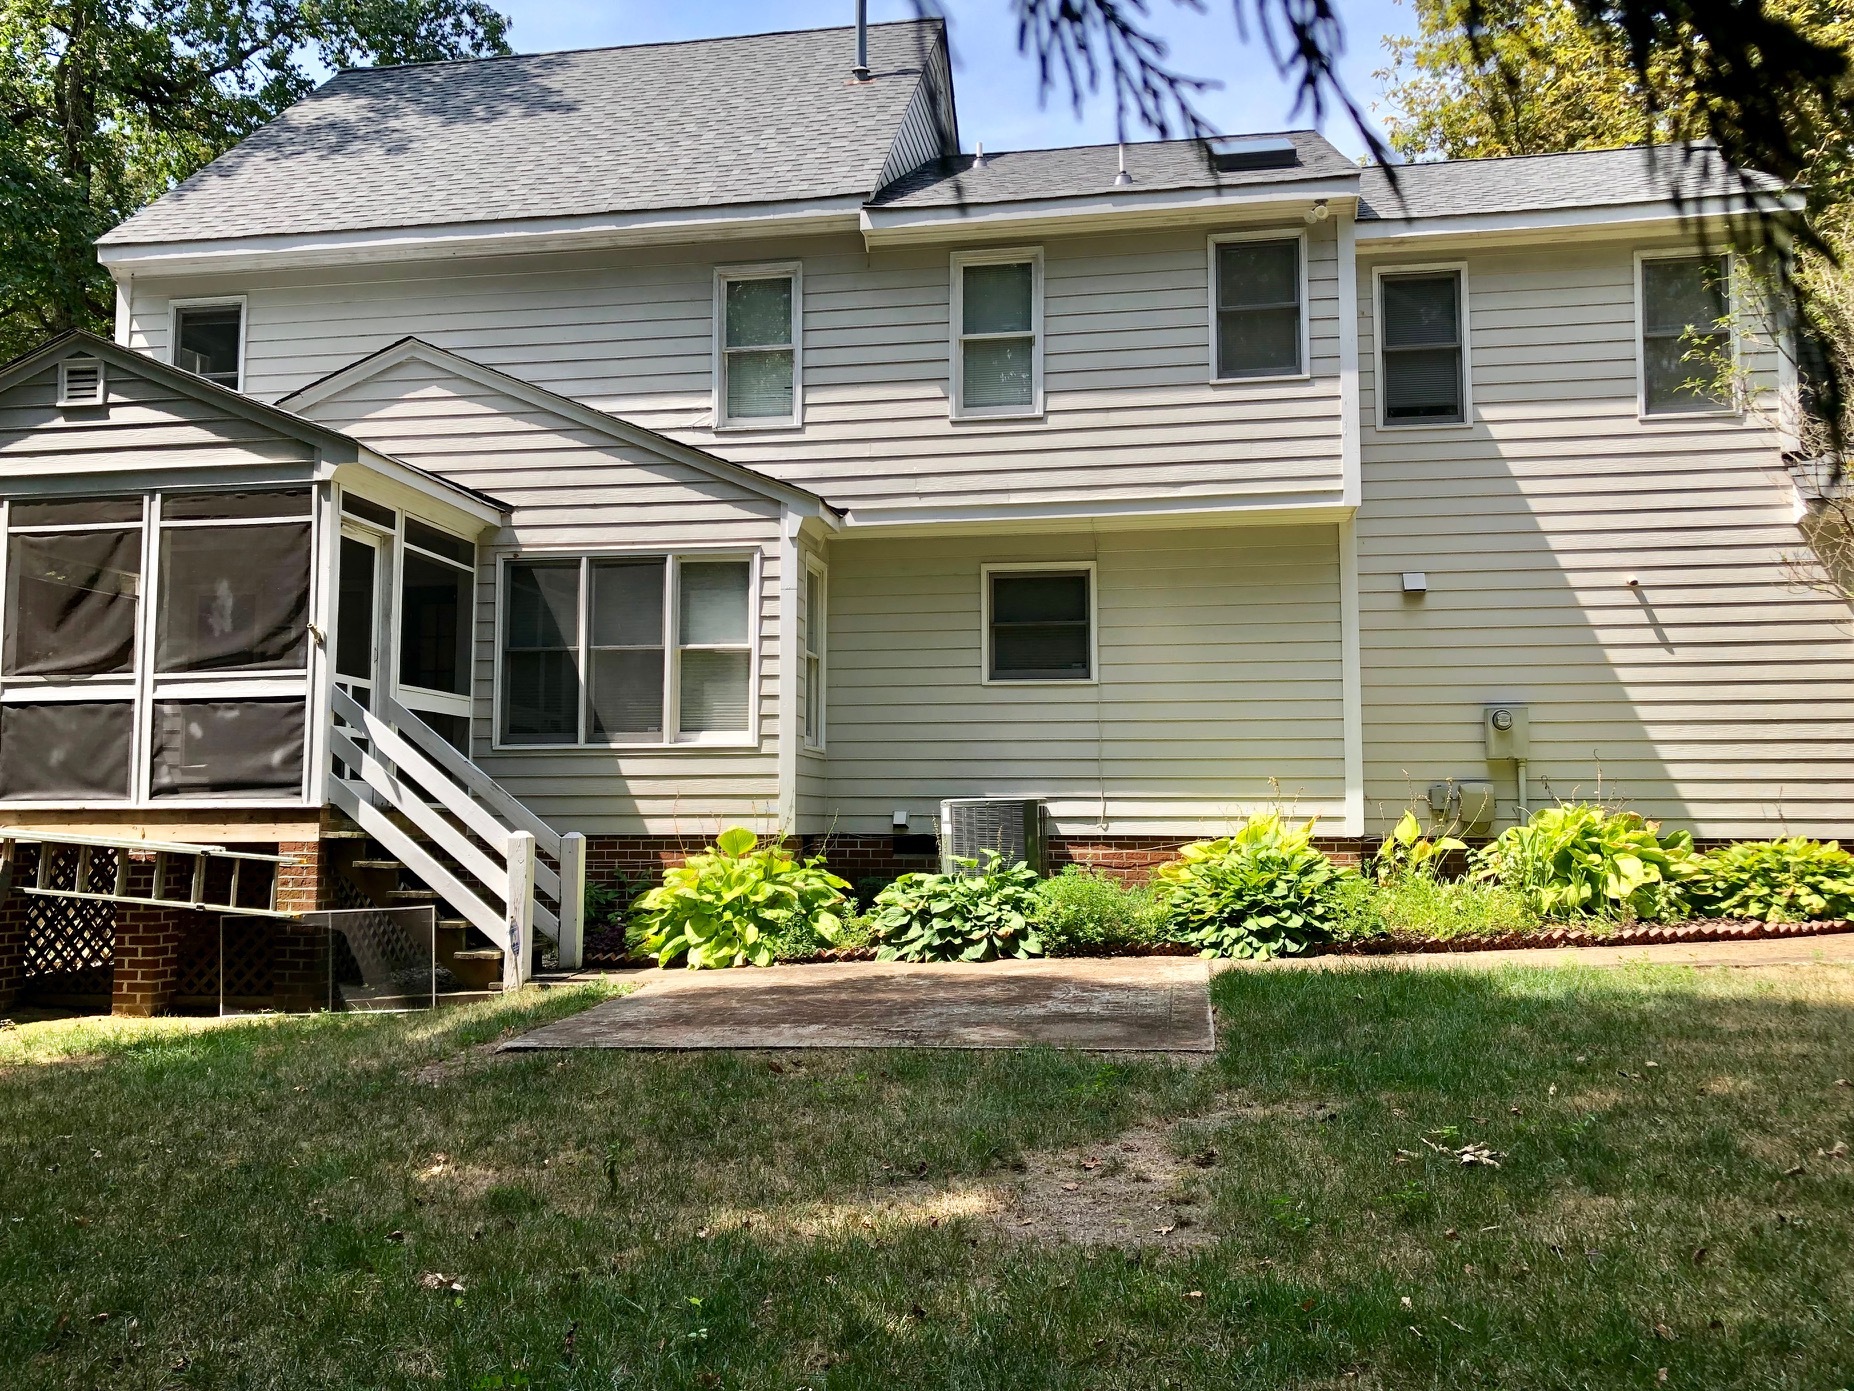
<point x="1572" y="875"/>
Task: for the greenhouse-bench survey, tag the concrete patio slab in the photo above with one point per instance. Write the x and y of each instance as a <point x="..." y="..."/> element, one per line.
<point x="1139" y="1004"/>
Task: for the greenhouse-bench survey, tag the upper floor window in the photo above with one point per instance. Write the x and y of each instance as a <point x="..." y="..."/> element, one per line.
<point x="627" y="650"/>
<point x="1039" y="623"/>
<point x="997" y="333"/>
<point x="757" y="326"/>
<point x="1259" y="312"/>
<point x="209" y="341"/>
<point x="1686" y="334"/>
<point x="1422" y="352"/>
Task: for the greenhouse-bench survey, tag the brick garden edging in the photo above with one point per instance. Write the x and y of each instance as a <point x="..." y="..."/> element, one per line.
<point x="1641" y="935"/>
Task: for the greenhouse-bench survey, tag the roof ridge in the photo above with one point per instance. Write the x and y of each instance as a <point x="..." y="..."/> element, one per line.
<point x="363" y="69"/>
<point x="1145" y="144"/>
<point x="1704" y="143"/>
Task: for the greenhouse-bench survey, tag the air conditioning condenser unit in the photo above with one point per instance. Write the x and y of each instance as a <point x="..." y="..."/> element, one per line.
<point x="971" y="826"/>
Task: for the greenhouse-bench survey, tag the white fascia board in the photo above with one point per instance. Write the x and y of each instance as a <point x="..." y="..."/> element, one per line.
<point x="387" y="480"/>
<point x="1124" y="208"/>
<point x="1313" y="505"/>
<point x="502" y="238"/>
<point x="1617" y="219"/>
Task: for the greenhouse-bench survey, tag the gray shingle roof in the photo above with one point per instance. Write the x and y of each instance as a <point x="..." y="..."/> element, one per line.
<point x="1537" y="183"/>
<point x="1082" y="170"/>
<point x="757" y="119"/>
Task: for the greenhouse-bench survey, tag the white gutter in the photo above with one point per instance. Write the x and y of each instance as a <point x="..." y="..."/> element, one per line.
<point x="591" y="231"/>
<point x="1127" y="207"/>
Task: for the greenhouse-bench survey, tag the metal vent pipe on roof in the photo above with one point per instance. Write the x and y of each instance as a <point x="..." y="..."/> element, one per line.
<point x="861" y="71"/>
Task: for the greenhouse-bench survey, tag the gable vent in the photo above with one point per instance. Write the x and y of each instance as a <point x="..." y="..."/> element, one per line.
<point x="1230" y="153"/>
<point x="80" y="382"/>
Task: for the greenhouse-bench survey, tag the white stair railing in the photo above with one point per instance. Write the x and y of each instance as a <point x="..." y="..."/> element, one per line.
<point x="400" y="782"/>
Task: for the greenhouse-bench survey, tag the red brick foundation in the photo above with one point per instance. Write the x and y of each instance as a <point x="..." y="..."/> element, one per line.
<point x="13" y="929"/>
<point x="302" y="879"/>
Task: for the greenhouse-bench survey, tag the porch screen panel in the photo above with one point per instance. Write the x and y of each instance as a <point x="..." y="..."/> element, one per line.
<point x="220" y="748"/>
<point x="627" y="650"/>
<point x="540" y="642"/>
<point x="65" y="751"/>
<point x="71" y="603"/>
<point x="714" y="648"/>
<point x="234" y="598"/>
<point x="434" y="625"/>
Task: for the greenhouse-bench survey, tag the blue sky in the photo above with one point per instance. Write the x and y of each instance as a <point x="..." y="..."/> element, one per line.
<point x="996" y="86"/>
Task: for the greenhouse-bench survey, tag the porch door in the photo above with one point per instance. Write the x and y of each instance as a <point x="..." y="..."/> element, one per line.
<point x="359" y="618"/>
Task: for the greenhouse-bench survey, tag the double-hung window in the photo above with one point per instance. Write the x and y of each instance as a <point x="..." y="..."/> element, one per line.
<point x="1039" y="623"/>
<point x="626" y="650"/>
<point x="209" y="340"/>
<point x="815" y="620"/>
<point x="1686" y="334"/>
<point x="997" y="333"/>
<point x="1422" y="348"/>
<point x="1258" y="318"/>
<point x="758" y="347"/>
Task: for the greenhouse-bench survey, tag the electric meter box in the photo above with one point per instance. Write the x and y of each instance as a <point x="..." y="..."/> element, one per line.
<point x="1506" y="729"/>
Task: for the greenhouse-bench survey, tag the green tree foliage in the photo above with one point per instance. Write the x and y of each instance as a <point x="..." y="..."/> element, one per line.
<point x="106" y="104"/>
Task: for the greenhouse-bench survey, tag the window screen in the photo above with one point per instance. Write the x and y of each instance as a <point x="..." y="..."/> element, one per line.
<point x="758" y="361"/>
<point x="221" y="506"/>
<point x="997" y="342"/>
<point x="1040" y="625"/>
<point x="627" y="650"/>
<point x="206" y="341"/>
<point x="65" y="750"/>
<point x="434" y="624"/>
<point x="234" y="598"/>
<point x="1421" y="326"/>
<point x="540" y="677"/>
<point x="714" y="653"/>
<point x="71" y="602"/>
<point x="1684" y="338"/>
<point x="227" y="748"/>
<point x="356" y="609"/>
<point x="1258" y="308"/>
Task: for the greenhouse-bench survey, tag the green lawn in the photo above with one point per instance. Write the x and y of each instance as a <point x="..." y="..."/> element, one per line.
<point x="258" y="1203"/>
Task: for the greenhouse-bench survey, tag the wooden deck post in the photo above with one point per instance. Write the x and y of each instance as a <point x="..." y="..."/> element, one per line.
<point x="571" y="947"/>
<point x="518" y="957"/>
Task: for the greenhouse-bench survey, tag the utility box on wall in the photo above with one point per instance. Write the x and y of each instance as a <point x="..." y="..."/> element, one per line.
<point x="1507" y="732"/>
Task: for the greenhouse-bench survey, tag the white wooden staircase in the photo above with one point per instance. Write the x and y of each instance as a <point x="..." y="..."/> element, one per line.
<point x="480" y="855"/>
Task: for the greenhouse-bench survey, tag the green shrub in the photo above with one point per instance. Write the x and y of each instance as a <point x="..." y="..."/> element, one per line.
<point x="1407" y="853"/>
<point x="1085" y="914"/>
<point x="1576" y="859"/>
<point x="1263" y="892"/>
<point x="958" y="917"/>
<point x="731" y="904"/>
<point x="1442" y="909"/>
<point x="1774" y="881"/>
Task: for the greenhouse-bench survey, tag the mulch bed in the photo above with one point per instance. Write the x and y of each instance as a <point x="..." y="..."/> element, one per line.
<point x="1629" y="935"/>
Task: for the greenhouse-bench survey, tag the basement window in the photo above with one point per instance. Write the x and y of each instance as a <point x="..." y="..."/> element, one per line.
<point x="1039" y="624"/>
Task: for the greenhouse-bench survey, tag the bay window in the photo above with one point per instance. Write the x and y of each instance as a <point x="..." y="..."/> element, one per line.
<point x="624" y="650"/>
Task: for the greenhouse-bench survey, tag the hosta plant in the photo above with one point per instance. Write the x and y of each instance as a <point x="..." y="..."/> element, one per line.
<point x="732" y="904"/>
<point x="977" y="916"/>
<point x="1775" y="881"/>
<point x="1579" y="860"/>
<point x="1407" y="853"/>
<point x="1261" y="893"/>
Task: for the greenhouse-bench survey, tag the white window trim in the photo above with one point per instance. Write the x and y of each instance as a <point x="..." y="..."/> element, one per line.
<point x="174" y="306"/>
<point x="764" y="270"/>
<point x="1462" y="308"/>
<point x="1002" y="256"/>
<point x="673" y="740"/>
<point x="817" y="574"/>
<point x="142" y="688"/>
<point x="1732" y="411"/>
<point x="1306" y="315"/>
<point x="1025" y="567"/>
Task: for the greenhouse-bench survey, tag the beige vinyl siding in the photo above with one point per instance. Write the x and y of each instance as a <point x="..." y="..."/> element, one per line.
<point x="926" y="126"/>
<point x="1716" y="695"/>
<point x="145" y="426"/>
<point x="1131" y="411"/>
<point x="1219" y="667"/>
<point x="575" y="490"/>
